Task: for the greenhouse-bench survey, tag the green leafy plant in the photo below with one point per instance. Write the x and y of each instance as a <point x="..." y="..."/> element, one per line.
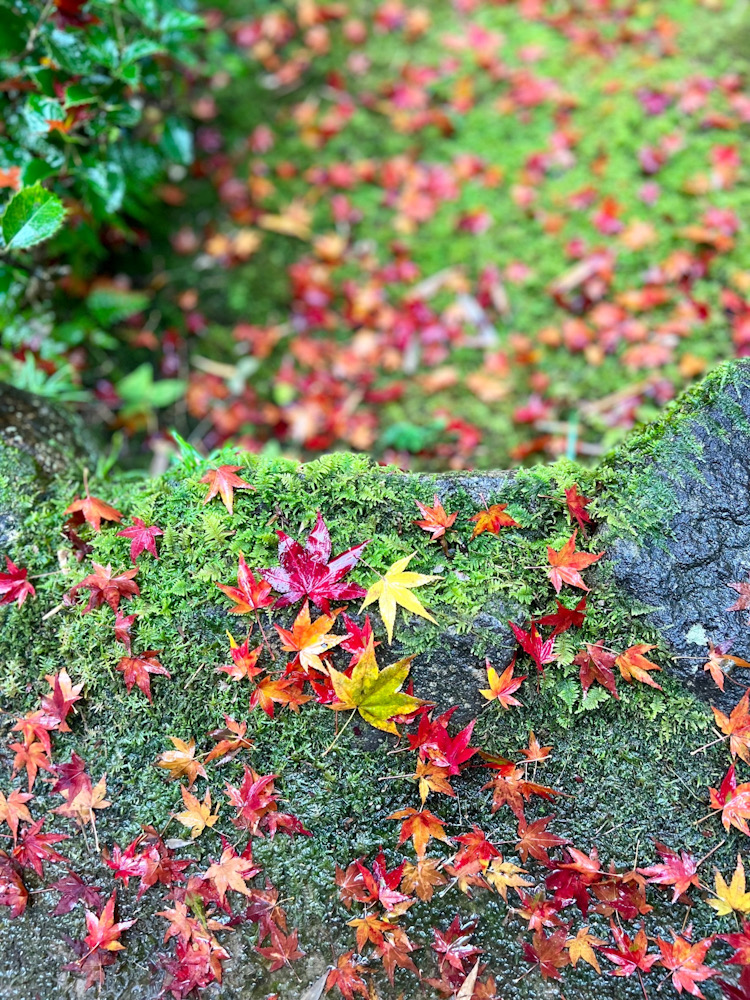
<point x="89" y="130"/>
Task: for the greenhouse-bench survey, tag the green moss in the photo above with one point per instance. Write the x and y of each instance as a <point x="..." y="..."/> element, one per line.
<point x="624" y="766"/>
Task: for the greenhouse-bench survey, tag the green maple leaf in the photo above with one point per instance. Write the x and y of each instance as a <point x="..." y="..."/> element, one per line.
<point x="374" y="693"/>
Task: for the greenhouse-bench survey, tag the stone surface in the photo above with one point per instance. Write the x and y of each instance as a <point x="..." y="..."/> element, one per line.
<point x="683" y="572"/>
<point x="41" y="429"/>
<point x="672" y="503"/>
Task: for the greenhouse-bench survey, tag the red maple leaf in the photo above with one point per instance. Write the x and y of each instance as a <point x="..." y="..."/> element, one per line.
<point x="93" y="510"/>
<point x="564" y="618"/>
<point x="71" y="776"/>
<point x="566" y="565"/>
<point x="102" y="930"/>
<point x="534" y="839"/>
<point x="123" y="627"/>
<point x="254" y="799"/>
<point x="282" y="951"/>
<point x="346" y="976"/>
<point x="72" y="888"/>
<point x="540" y="650"/>
<point x="13" y="892"/>
<point x="105" y="588"/>
<point x="33" y="847"/>
<point x="597" y="664"/>
<point x="679" y="870"/>
<point x="733" y="800"/>
<point x="436" y="520"/>
<point x="454" y="944"/>
<point x="630" y="955"/>
<point x="577" y="504"/>
<point x="14" y="585"/>
<point x="380" y="885"/>
<point x="56" y="707"/>
<point x="685" y="962"/>
<point x="224" y="482"/>
<point x="740" y="941"/>
<point x="307" y="572"/>
<point x="136" y="670"/>
<point x="357" y="638"/>
<point x="548" y="952"/>
<point x="70" y="14"/>
<point x="742" y="990"/>
<point x="249" y="594"/>
<point x="244" y="660"/>
<point x="143" y="538"/>
<point x="743" y="601"/>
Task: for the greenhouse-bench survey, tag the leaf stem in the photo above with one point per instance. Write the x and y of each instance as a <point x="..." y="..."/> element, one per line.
<point x="338" y="735"/>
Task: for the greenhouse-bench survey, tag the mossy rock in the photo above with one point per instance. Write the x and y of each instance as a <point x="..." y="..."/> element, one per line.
<point x="624" y="767"/>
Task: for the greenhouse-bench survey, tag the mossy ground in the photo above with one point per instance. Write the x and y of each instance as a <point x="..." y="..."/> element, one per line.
<point x="611" y="128"/>
<point x="625" y="767"/>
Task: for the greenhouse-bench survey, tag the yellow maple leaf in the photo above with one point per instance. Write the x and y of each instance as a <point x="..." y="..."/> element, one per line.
<point x="731" y="897"/>
<point x="393" y="589"/>
<point x="374" y="692"/>
<point x="181" y="761"/>
<point x="503" y="875"/>
<point x="580" y="948"/>
<point x="196" y="815"/>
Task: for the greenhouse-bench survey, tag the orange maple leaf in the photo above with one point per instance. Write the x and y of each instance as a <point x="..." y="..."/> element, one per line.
<point x="492" y="519"/>
<point x="535" y="840"/>
<point x="94" y="510"/>
<point x="502" y="686"/>
<point x="736" y="726"/>
<point x="635" y="667"/>
<point x="224" y="482"/>
<point x="421" y="826"/>
<point x="310" y="640"/>
<point x="566" y="565"/>
<point x="684" y="961"/>
<point x="436" y="520"/>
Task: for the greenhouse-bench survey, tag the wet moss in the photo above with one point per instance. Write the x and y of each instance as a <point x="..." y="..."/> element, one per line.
<point x="624" y="766"/>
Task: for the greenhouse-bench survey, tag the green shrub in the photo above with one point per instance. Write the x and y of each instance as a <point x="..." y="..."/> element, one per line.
<point x="87" y="131"/>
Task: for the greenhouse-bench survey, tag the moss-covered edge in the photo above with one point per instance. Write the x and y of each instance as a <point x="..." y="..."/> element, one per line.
<point x="626" y="765"/>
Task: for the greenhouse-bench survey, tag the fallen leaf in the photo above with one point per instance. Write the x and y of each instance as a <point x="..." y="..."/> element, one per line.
<point x="394" y="589"/>
<point x="374" y="693"/>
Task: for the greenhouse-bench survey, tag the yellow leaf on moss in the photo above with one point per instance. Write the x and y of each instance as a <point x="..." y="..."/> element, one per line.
<point x="197" y="815"/>
<point x="731" y="898"/>
<point x="394" y="589"/>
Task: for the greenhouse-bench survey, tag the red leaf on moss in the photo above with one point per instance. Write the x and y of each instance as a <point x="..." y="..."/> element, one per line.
<point x="540" y="650"/>
<point x="435" y="519"/>
<point x="596" y="664"/>
<point x="577" y="504"/>
<point x="13" y="893"/>
<point x="224" y="482"/>
<point x="249" y="594"/>
<point x="94" y="511"/>
<point x="678" y="870"/>
<point x="143" y="538"/>
<point x="136" y="670"/>
<point x="310" y="571"/>
<point x="104" y="588"/>
<point x="102" y="930"/>
<point x="14" y="585"/>
<point x="566" y="565"/>
<point x="564" y="618"/>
